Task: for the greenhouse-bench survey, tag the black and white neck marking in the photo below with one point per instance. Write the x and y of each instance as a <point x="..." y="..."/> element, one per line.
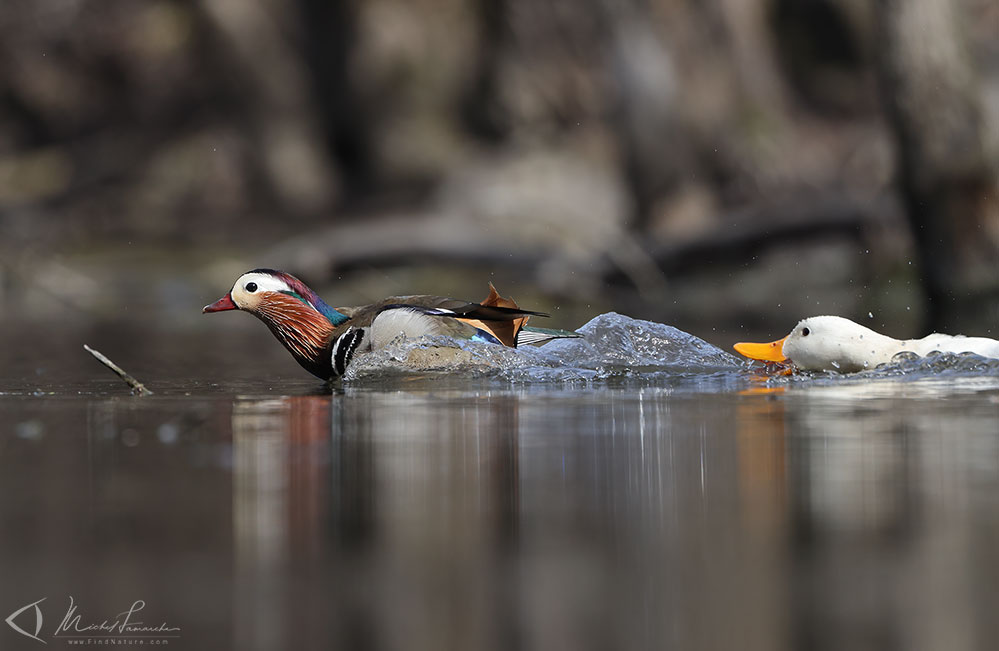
<point x="344" y="348"/>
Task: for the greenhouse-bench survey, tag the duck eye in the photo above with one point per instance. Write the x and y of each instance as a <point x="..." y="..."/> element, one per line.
<point x="804" y="332"/>
<point x="251" y="287"/>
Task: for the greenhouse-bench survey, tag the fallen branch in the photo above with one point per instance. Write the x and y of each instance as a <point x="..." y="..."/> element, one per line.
<point x="138" y="388"/>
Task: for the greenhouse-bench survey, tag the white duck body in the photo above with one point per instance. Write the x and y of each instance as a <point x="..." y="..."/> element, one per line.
<point x="832" y="343"/>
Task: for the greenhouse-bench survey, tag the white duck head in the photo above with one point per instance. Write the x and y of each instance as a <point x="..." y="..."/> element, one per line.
<point x="827" y="343"/>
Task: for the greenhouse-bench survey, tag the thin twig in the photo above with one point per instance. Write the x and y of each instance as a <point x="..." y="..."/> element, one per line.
<point x="138" y="388"/>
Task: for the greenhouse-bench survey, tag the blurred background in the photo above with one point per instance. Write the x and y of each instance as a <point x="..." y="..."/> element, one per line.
<point x="727" y="166"/>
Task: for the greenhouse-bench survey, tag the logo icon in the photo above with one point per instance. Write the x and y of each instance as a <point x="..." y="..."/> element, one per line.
<point x="38" y="621"/>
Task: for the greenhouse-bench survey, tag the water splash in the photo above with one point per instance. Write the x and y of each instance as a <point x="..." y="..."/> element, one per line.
<point x="621" y="349"/>
<point x="612" y="346"/>
<point x="942" y="372"/>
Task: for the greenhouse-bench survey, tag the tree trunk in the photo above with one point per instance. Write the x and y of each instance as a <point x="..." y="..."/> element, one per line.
<point x="330" y="28"/>
<point x="482" y="109"/>
<point x="647" y="98"/>
<point x="933" y="104"/>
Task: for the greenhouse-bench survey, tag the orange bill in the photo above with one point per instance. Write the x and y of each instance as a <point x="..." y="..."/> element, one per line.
<point x="772" y="352"/>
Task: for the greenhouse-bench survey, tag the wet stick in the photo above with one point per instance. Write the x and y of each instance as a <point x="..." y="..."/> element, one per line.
<point x="138" y="388"/>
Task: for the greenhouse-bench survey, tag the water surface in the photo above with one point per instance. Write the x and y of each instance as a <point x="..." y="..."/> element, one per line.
<point x="682" y="508"/>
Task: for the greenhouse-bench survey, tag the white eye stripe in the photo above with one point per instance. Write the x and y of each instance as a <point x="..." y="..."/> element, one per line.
<point x="248" y="290"/>
<point x="264" y="283"/>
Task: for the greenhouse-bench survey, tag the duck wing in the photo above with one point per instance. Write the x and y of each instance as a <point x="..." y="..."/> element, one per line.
<point x="492" y="324"/>
<point x="496" y="319"/>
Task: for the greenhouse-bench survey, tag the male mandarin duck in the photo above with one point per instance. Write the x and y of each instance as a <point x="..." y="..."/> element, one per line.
<point x="324" y="339"/>
<point x="832" y="343"/>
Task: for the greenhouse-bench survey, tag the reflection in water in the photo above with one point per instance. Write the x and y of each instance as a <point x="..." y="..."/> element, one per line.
<point x="430" y="517"/>
<point x="885" y="554"/>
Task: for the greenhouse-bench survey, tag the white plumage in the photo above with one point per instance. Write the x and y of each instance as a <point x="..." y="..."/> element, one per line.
<point x="832" y="343"/>
<point x="410" y="323"/>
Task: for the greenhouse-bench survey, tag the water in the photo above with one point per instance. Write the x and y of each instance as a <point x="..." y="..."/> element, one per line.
<point x="692" y="505"/>
<point x="612" y="346"/>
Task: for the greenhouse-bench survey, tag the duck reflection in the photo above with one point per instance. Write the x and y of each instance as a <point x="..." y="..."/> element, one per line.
<point x="810" y="514"/>
<point x="798" y="517"/>
<point x="394" y="499"/>
<point x="875" y="561"/>
<point x="279" y="456"/>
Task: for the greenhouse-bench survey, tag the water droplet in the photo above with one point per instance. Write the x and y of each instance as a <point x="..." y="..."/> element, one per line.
<point x="31" y="430"/>
<point x="167" y="433"/>
<point x="870" y="315"/>
<point x="835" y="364"/>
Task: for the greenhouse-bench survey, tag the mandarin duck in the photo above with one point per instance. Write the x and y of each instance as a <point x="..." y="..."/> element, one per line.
<point x="324" y="339"/>
<point x="832" y="343"/>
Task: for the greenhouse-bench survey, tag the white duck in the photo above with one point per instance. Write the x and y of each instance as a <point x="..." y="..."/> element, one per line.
<point x="832" y="343"/>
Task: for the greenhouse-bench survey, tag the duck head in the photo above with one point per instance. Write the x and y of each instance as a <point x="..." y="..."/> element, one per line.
<point x="295" y="314"/>
<point x="825" y="343"/>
